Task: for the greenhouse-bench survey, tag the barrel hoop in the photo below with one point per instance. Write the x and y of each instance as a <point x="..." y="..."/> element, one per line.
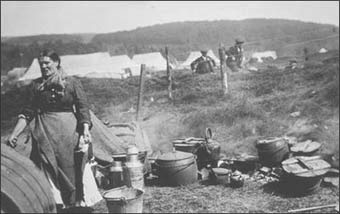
<point x="42" y="189"/>
<point x="25" y="183"/>
<point x="30" y="174"/>
<point x="27" y="203"/>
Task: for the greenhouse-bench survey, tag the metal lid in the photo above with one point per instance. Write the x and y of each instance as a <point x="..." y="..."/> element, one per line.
<point x="132" y="150"/>
<point x="306" y="147"/>
<point x="306" y="166"/>
<point x="269" y="140"/>
<point x="175" y="155"/>
<point x="220" y="171"/>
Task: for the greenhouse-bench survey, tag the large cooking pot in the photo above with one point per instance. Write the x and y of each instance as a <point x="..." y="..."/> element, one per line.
<point x="176" y="168"/>
<point x="272" y="151"/>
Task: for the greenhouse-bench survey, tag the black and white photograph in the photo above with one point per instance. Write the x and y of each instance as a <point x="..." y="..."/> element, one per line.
<point x="169" y="106"/>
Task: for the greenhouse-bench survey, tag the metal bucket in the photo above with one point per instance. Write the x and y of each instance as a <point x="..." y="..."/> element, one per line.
<point x="124" y="200"/>
<point x="272" y="151"/>
<point x="176" y="168"/>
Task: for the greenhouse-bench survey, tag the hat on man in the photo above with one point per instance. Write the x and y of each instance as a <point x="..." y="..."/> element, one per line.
<point x="204" y="50"/>
<point x="239" y="41"/>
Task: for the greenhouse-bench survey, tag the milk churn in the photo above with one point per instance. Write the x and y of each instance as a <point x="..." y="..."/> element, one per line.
<point x="116" y="174"/>
<point x="133" y="170"/>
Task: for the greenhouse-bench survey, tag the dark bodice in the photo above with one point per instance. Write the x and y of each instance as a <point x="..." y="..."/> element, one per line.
<point x="49" y="100"/>
<point x="203" y="65"/>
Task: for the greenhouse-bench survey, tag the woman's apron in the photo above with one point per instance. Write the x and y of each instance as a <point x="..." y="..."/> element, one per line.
<point x="54" y="139"/>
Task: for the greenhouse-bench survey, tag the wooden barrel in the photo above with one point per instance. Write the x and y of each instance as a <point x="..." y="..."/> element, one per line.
<point x="303" y="174"/>
<point x="24" y="188"/>
<point x="272" y="151"/>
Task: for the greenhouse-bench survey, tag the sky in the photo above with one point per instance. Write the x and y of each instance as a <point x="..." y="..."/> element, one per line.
<point x="65" y="17"/>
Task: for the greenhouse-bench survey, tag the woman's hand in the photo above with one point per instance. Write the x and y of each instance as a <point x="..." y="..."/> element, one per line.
<point x="87" y="134"/>
<point x="19" y="127"/>
<point x="12" y="141"/>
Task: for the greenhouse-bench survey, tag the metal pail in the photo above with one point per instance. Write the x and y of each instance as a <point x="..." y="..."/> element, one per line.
<point x="124" y="200"/>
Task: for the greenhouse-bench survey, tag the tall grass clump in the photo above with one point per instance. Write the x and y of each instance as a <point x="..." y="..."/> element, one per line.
<point x="228" y="113"/>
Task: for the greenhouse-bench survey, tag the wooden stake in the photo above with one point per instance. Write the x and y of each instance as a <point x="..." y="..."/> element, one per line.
<point x="224" y="75"/>
<point x="168" y="72"/>
<point x="140" y="92"/>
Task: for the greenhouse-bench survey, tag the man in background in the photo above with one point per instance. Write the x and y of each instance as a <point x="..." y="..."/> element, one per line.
<point x="235" y="56"/>
<point x="203" y="64"/>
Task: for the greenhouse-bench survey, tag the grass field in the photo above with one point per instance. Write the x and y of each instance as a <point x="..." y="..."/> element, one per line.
<point x="258" y="105"/>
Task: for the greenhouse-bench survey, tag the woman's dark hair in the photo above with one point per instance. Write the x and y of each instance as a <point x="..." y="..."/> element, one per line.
<point x="51" y="54"/>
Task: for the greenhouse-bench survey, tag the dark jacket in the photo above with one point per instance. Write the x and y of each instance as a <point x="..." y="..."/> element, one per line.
<point x="234" y="53"/>
<point x="203" y="65"/>
<point x="48" y="100"/>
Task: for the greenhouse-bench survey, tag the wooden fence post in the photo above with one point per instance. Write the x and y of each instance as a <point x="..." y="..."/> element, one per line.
<point x="140" y="92"/>
<point x="223" y="70"/>
<point x="168" y="72"/>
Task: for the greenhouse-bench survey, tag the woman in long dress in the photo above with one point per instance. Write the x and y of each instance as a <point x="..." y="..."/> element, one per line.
<point x="60" y="116"/>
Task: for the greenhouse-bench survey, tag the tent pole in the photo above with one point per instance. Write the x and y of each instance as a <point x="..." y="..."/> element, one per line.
<point x="140" y="91"/>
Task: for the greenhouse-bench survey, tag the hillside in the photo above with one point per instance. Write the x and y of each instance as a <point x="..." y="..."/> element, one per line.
<point x="286" y="36"/>
<point x="259" y="34"/>
<point x="41" y="39"/>
<point x="259" y="103"/>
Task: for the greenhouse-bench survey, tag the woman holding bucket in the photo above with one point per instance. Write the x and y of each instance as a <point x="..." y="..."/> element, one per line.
<point x="59" y="108"/>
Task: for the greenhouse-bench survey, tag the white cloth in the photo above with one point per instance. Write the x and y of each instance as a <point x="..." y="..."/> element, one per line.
<point x="91" y="193"/>
<point x="55" y="191"/>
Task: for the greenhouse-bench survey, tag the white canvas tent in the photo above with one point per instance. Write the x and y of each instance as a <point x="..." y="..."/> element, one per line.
<point x="323" y="50"/>
<point x="122" y="62"/>
<point x="108" y="75"/>
<point x="153" y="61"/>
<point x="76" y="65"/>
<point x="213" y="56"/>
<point x="192" y="56"/>
<point x="81" y="65"/>
<point x="264" y="54"/>
<point x="32" y="72"/>
<point x="195" y="54"/>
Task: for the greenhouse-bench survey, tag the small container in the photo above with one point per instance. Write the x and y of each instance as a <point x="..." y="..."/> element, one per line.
<point x="221" y="176"/>
<point x="116" y="174"/>
<point x="236" y="181"/>
<point x="134" y="169"/>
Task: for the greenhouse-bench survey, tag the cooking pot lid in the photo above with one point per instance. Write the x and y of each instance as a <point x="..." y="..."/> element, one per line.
<point x="306" y="166"/>
<point x="269" y="140"/>
<point x="307" y="146"/>
<point x="220" y="171"/>
<point x="175" y="155"/>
